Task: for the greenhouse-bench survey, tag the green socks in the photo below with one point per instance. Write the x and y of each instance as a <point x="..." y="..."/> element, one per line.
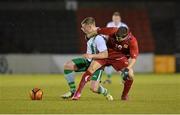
<point x="69" y="75"/>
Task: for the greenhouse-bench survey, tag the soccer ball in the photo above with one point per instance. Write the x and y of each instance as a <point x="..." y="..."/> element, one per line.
<point x="36" y="94"/>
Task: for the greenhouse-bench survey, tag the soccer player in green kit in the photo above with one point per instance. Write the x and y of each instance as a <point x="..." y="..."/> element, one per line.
<point x="96" y="49"/>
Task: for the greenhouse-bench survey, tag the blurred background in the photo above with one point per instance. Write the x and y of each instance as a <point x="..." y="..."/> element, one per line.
<point x="39" y="36"/>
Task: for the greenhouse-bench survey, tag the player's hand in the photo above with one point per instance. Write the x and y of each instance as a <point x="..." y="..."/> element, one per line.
<point x="88" y="56"/>
<point x="125" y="73"/>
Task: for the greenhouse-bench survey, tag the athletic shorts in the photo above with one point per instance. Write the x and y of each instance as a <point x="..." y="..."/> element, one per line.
<point x="83" y="64"/>
<point x="117" y="63"/>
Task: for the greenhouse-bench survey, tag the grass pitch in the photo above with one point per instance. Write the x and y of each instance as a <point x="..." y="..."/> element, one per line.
<point x="150" y="94"/>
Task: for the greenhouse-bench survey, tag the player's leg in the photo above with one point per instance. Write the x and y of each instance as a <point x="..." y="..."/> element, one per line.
<point x="69" y="68"/>
<point x="128" y="81"/>
<point x="95" y="65"/>
<point x="75" y="65"/>
<point x="96" y="87"/>
<point x="119" y="65"/>
<point x="108" y="70"/>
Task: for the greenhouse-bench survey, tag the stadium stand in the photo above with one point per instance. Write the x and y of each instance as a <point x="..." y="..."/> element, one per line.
<point x="38" y="31"/>
<point x="139" y="24"/>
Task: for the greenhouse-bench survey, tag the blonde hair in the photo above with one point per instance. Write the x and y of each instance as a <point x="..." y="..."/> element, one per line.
<point x="88" y="21"/>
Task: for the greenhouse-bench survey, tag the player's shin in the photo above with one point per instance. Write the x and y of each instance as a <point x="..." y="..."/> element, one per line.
<point x="102" y="90"/>
<point x="69" y="76"/>
<point x="127" y="86"/>
<point x="85" y="78"/>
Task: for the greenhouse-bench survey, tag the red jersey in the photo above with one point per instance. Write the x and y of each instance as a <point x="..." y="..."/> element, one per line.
<point x="127" y="47"/>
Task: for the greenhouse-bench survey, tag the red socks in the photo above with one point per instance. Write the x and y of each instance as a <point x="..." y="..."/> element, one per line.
<point x="127" y="86"/>
<point x="85" y="78"/>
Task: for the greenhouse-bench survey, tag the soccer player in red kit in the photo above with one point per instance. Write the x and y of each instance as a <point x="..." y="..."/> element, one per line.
<point x="122" y="54"/>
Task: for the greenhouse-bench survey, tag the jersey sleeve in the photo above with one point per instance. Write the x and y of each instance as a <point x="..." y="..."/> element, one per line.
<point x="100" y="44"/>
<point x="107" y="31"/>
<point x="134" y="50"/>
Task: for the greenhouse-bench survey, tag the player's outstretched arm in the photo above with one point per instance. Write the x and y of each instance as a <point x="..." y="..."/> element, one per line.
<point x="107" y="31"/>
<point x="131" y="63"/>
<point x="134" y="52"/>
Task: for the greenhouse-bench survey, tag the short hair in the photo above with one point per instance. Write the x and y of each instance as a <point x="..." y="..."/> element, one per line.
<point x="88" y="20"/>
<point x="122" y="32"/>
<point x="116" y="14"/>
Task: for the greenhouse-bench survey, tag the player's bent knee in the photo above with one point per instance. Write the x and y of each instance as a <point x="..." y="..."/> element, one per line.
<point x="66" y="65"/>
<point x="94" y="90"/>
<point x="94" y="66"/>
<point x="69" y="65"/>
<point x="90" y="69"/>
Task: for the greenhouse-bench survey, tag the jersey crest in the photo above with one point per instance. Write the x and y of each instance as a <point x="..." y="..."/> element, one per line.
<point x="125" y="46"/>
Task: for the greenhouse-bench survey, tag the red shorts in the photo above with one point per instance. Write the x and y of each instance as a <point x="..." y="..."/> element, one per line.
<point x="117" y="63"/>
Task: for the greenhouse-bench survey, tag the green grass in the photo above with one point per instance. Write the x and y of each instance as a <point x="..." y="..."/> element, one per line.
<point x="150" y="94"/>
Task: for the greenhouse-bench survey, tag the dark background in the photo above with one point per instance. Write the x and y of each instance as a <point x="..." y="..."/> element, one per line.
<point x="47" y="27"/>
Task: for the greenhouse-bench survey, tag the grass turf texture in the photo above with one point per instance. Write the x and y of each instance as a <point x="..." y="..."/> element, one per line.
<point x="150" y="94"/>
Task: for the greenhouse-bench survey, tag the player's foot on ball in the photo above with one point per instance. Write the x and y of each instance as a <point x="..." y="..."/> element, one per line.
<point x="109" y="97"/>
<point x="76" y="96"/>
<point x="67" y="95"/>
<point x="107" y="81"/>
<point x="124" y="98"/>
